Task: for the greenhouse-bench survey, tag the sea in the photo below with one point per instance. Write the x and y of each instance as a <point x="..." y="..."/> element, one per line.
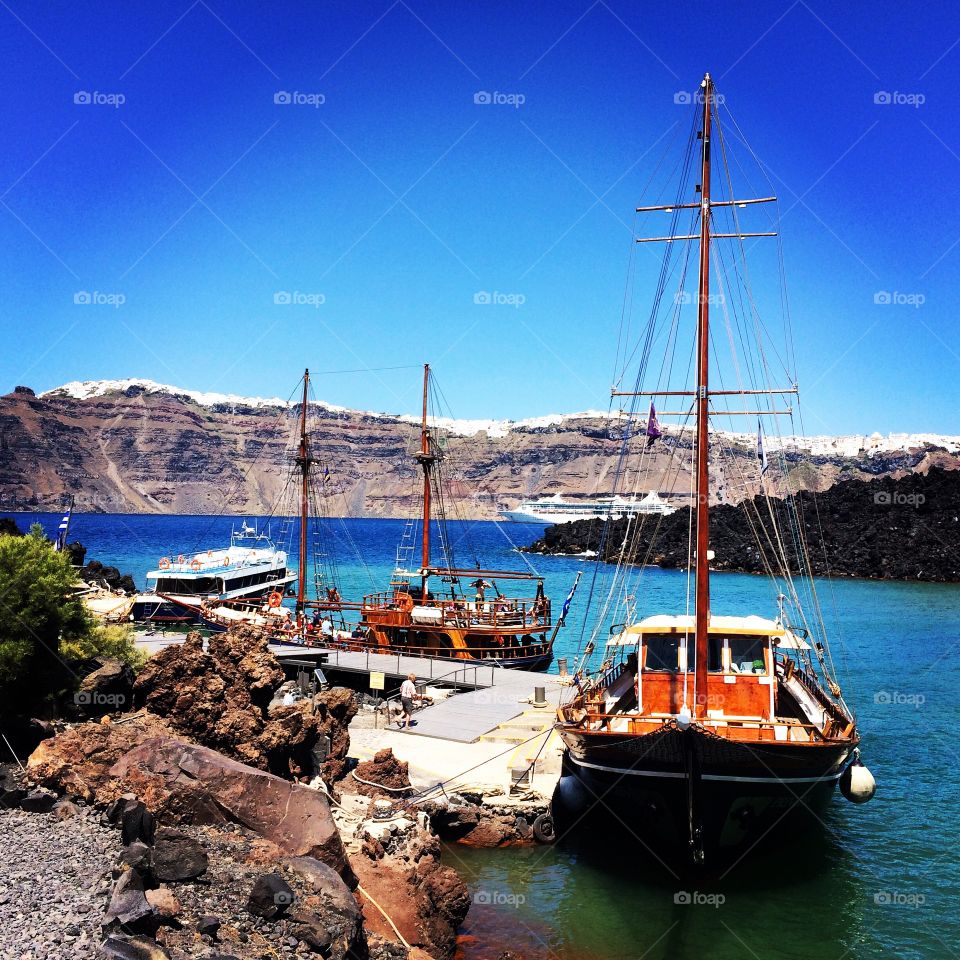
<point x="880" y="880"/>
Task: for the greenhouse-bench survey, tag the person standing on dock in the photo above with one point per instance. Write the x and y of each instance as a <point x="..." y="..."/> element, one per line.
<point x="408" y="693"/>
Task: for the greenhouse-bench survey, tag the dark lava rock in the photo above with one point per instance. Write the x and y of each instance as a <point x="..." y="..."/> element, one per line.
<point x="271" y="896"/>
<point x="133" y="948"/>
<point x="10" y="799"/>
<point x="177" y="856"/>
<point x="208" y="926"/>
<point x="128" y="903"/>
<point x="137" y="855"/>
<point x="136" y="823"/>
<point x="110" y="577"/>
<point x="886" y="529"/>
<point x="38" y="801"/>
<point x="106" y="689"/>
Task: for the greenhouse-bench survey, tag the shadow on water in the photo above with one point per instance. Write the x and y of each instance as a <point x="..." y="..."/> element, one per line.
<point x="599" y="893"/>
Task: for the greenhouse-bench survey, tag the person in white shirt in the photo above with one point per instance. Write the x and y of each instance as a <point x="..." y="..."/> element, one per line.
<point x="408" y="693"/>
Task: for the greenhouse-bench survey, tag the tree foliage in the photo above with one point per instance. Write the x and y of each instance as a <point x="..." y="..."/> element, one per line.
<point x="44" y="627"/>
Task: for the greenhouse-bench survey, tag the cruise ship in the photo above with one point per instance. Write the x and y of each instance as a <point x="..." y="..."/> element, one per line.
<point x="250" y="568"/>
<point x="557" y="510"/>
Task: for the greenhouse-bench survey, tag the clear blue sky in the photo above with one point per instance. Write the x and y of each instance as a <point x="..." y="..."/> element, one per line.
<point x="399" y="198"/>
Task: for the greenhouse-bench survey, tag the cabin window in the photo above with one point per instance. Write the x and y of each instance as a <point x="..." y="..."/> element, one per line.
<point x="662" y="652"/>
<point x="747" y="654"/>
<point x="715" y="654"/>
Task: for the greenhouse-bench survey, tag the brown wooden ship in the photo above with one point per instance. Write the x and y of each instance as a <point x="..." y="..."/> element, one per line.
<point x="709" y="731"/>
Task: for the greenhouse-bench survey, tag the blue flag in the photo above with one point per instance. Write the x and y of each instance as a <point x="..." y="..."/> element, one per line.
<point x="761" y="453"/>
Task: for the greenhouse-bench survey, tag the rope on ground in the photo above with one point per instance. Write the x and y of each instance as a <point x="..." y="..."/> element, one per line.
<point x="386" y="916"/>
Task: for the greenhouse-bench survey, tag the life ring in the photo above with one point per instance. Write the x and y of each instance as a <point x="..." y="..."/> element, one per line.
<point x="194" y="564"/>
<point x="209" y="553"/>
<point x="180" y="558"/>
<point x="164" y="563"/>
<point x="274" y="599"/>
<point x="226" y="561"/>
<point x="543" y="828"/>
<point x="404" y="602"/>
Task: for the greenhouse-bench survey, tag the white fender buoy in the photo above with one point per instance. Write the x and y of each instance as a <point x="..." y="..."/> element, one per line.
<point x="857" y="783"/>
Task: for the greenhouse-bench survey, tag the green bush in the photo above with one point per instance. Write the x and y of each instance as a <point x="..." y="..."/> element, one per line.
<point x="44" y="627"/>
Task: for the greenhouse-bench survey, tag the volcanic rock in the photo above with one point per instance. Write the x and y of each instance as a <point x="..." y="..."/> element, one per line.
<point x="137" y="855"/>
<point x="128" y="903"/>
<point x="208" y="926"/>
<point x="107" y="688"/>
<point x="177" y="856"/>
<point x="221" y="698"/>
<point x="384" y="770"/>
<point x="164" y="903"/>
<point x="96" y="573"/>
<point x="38" y="801"/>
<point x="888" y="529"/>
<point x="136" y="823"/>
<point x="132" y="948"/>
<point x="271" y="895"/>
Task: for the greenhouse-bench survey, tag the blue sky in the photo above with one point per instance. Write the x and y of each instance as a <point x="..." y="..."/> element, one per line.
<point x="198" y="198"/>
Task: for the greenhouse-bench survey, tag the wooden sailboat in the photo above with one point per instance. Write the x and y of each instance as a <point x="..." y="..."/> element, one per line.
<point x="702" y="730"/>
<point x="444" y="610"/>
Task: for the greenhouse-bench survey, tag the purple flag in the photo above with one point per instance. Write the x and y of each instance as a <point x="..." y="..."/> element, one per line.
<point x="653" y="426"/>
<point x="761" y="453"/>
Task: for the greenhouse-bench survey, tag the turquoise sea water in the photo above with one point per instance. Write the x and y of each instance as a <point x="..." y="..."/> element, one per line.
<point x="882" y="880"/>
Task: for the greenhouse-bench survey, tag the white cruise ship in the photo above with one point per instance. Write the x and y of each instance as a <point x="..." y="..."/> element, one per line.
<point x="557" y="510"/>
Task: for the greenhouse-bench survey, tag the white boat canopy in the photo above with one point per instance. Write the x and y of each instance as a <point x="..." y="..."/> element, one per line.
<point x="743" y="626"/>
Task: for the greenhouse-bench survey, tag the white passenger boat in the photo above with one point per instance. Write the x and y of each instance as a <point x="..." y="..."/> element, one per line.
<point x="251" y="567"/>
<point x="556" y="509"/>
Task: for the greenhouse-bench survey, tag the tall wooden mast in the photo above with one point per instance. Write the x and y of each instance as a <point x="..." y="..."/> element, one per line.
<point x="702" y="617"/>
<point x="426" y="460"/>
<point x="303" y="461"/>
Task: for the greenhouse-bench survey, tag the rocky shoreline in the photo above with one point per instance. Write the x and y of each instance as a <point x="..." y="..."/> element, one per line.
<point x="213" y="819"/>
<point x="887" y="529"/>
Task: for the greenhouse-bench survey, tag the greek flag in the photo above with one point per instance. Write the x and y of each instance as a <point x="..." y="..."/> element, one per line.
<point x="761" y="453"/>
<point x="569" y="600"/>
<point x="61" y="540"/>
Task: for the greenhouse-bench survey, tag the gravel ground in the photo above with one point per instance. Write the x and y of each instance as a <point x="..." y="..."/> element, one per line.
<point x="54" y="884"/>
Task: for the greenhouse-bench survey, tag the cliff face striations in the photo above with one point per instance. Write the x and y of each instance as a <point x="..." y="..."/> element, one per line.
<point x="134" y="446"/>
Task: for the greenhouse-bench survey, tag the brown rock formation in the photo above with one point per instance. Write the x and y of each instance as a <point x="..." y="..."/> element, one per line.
<point x="384" y="770"/>
<point x="221" y="698"/>
<point x="141" y="450"/>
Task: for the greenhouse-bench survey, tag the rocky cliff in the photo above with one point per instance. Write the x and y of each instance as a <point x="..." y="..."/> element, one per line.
<point x="135" y="446"/>
<point x="887" y="529"/>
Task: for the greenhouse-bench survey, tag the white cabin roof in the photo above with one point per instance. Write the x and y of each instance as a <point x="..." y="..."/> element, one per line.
<point x="750" y="626"/>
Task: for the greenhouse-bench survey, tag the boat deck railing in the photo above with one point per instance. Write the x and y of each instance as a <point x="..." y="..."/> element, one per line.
<point x="500" y="613"/>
